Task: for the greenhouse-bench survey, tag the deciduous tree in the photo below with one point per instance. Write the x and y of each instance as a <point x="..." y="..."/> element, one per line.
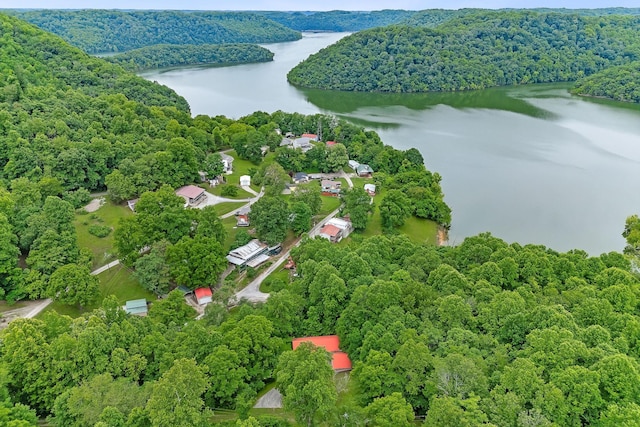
<point x="305" y="379"/>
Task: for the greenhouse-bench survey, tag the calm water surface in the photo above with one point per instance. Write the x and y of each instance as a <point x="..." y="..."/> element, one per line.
<point x="529" y="164"/>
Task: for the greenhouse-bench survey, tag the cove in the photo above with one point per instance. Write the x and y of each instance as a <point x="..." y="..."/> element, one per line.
<point x="530" y="164"/>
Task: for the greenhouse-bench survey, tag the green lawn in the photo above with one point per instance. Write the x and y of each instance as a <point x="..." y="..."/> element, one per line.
<point x="242" y="194"/>
<point x="117" y="281"/>
<point x="420" y="230"/>
<point x="360" y="182"/>
<point x="279" y="274"/>
<point x="225" y="208"/>
<point x="4" y="306"/>
<point x="102" y="248"/>
<point x="241" y="167"/>
<point x="232" y="230"/>
<point x="329" y="204"/>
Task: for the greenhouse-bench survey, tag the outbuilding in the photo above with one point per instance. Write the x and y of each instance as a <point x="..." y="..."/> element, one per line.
<point x="137" y="307"/>
<point x="245" y="181"/>
<point x="203" y="295"/>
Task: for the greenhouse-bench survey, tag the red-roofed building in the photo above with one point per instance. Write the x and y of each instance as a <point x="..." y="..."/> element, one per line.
<point x="339" y="359"/>
<point x="312" y="136"/>
<point x="331" y="233"/>
<point x="191" y="194"/>
<point x="330" y="143"/>
<point x="203" y="295"/>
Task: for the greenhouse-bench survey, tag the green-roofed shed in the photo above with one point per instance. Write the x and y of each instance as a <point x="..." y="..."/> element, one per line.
<point x="137" y="307"/>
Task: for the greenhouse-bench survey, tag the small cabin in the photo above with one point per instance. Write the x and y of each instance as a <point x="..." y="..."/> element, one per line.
<point x="203" y="296"/>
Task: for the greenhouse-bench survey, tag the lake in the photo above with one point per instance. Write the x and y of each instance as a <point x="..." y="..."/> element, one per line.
<point x="530" y="164"/>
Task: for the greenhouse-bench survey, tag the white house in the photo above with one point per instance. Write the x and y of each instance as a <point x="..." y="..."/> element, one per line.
<point x="353" y="164"/>
<point x="245" y="181"/>
<point x="371" y="189"/>
<point x="227" y="163"/>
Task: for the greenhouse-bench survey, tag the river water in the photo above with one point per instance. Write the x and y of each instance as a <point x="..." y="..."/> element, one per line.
<point x="531" y="164"/>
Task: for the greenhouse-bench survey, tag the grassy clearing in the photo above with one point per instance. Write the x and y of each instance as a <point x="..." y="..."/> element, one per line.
<point x="118" y="281"/>
<point x="329" y="204"/>
<point x="232" y="230"/>
<point x="4" y="306"/>
<point x="240" y="167"/>
<point x="242" y="194"/>
<point x="420" y="230"/>
<point x="267" y="286"/>
<point x="225" y="208"/>
<point x="102" y="248"/>
<point x="360" y="182"/>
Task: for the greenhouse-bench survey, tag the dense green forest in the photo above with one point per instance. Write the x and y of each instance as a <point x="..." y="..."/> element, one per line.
<point x="621" y="83"/>
<point x="485" y="333"/>
<point x="71" y="124"/>
<point x="338" y="20"/>
<point x="161" y="56"/>
<point x="97" y="31"/>
<point x="482" y="334"/>
<point x="474" y="51"/>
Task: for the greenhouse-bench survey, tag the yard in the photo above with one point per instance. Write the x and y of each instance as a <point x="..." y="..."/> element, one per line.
<point x="225" y="208"/>
<point x="105" y="218"/>
<point x="242" y="167"/>
<point x="217" y="191"/>
<point x="118" y="281"/>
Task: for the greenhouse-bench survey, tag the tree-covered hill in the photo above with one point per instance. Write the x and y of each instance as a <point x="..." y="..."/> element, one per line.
<point x="161" y="56"/>
<point x="482" y="334"/>
<point x="338" y="20"/>
<point x="474" y="51"/>
<point x="621" y="83"/>
<point x="97" y="31"/>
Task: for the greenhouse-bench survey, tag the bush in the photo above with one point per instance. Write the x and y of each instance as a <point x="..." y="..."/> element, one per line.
<point x="251" y="272"/>
<point x="242" y="238"/>
<point x="99" y="230"/>
<point x="229" y="191"/>
<point x="77" y="198"/>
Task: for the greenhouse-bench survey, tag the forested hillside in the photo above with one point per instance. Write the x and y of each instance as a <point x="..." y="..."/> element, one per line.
<point x="97" y="31"/>
<point x="161" y="56"/>
<point x="621" y="83"/>
<point x="337" y="20"/>
<point x="485" y="333"/>
<point x="474" y="51"/>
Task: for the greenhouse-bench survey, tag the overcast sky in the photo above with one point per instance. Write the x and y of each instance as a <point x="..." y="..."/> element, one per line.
<point x="309" y="5"/>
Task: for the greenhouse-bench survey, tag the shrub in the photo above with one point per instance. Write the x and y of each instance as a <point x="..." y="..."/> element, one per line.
<point x="77" y="198"/>
<point x="229" y="191"/>
<point x="99" y="230"/>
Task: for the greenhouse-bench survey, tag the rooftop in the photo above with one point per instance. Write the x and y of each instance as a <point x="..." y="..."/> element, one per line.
<point x="330" y="230"/>
<point x="330" y="343"/>
<point x="203" y="292"/>
<point x="339" y="223"/>
<point x="189" y="191"/>
<point x="244" y="253"/>
<point x="339" y="359"/>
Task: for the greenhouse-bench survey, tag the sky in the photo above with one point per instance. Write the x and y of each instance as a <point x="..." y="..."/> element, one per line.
<point x="310" y="5"/>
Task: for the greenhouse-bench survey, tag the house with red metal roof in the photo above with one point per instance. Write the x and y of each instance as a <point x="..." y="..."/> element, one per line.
<point x="203" y="295"/>
<point x="339" y="359"/>
<point x="331" y="233"/>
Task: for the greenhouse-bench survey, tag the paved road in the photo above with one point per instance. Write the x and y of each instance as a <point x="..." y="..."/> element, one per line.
<point x="252" y="291"/>
<point x="271" y="399"/>
<point x="251" y="201"/>
<point x="105" y="267"/>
